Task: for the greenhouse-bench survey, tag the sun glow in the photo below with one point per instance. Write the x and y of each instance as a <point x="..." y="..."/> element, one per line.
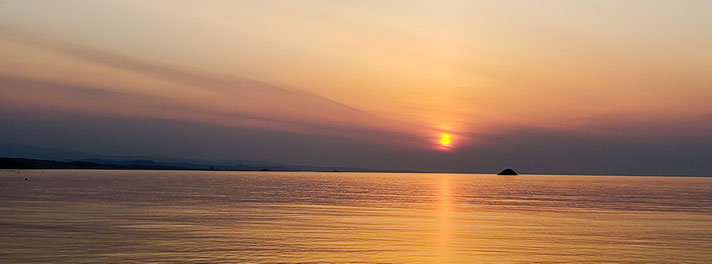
<point x="445" y="139"/>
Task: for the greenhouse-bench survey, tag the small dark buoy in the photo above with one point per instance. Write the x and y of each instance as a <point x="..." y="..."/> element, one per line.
<point x="507" y="172"/>
<point x="26" y="179"/>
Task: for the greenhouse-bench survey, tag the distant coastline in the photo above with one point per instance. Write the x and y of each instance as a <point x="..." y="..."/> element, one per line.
<point x="19" y="163"/>
<point x="12" y="163"/>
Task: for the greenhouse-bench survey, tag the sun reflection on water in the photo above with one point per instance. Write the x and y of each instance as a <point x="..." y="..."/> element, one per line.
<point x="445" y="227"/>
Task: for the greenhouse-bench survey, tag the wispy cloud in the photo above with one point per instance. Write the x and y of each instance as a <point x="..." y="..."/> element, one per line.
<point x="251" y="100"/>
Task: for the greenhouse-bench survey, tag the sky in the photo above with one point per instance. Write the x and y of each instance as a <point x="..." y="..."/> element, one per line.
<point x="590" y="87"/>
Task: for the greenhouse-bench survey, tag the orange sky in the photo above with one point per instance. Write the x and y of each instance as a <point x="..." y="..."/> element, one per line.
<point x="399" y="72"/>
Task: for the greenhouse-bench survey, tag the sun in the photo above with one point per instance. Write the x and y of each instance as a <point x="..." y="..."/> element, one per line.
<point x="445" y="139"/>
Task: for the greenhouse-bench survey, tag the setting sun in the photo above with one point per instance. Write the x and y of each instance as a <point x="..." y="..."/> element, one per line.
<point x="445" y="139"/>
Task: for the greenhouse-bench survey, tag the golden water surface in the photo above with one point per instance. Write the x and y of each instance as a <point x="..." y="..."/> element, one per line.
<point x="83" y="216"/>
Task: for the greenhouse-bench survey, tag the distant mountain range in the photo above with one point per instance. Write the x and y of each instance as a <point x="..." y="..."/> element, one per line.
<point x="15" y="156"/>
<point x="22" y="163"/>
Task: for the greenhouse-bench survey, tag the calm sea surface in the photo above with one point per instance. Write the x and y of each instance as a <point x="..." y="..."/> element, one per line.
<point x="85" y="216"/>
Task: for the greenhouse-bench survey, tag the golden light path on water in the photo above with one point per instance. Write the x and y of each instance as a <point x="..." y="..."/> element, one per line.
<point x="445" y="225"/>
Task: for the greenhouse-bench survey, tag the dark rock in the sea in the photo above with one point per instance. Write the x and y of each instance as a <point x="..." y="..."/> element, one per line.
<point x="507" y="172"/>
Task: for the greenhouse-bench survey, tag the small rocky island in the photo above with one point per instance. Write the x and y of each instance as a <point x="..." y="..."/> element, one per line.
<point x="507" y="172"/>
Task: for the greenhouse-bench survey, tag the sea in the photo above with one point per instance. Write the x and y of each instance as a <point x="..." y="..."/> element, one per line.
<point x="117" y="216"/>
